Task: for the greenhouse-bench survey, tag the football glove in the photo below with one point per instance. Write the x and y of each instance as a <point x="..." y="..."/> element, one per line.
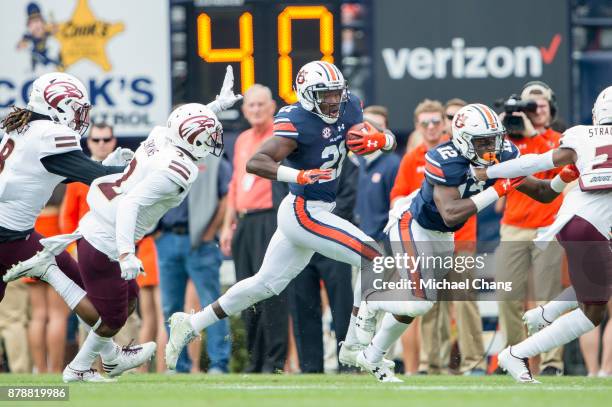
<point x="131" y="267"/>
<point x="366" y="139"/>
<point x="306" y="177"/>
<point x="119" y="157"/>
<point x="504" y="185"/>
<point x="226" y="97"/>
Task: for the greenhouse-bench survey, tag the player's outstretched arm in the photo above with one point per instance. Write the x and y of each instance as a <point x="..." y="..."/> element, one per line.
<point x="547" y="190"/>
<point x="527" y="164"/>
<point x="266" y="163"/>
<point x="75" y="166"/>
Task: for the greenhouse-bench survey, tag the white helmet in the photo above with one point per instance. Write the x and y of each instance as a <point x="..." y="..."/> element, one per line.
<point x="313" y="81"/>
<point x="478" y="134"/>
<point x="196" y="129"/>
<point x="63" y="98"/>
<point x="602" y="109"/>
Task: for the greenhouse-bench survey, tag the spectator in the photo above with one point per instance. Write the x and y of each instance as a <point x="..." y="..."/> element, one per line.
<point x="49" y="312"/>
<point x="14" y="327"/>
<point x="335" y="277"/>
<point x="187" y="249"/>
<point x="522" y="219"/>
<point x="250" y="222"/>
<point x="589" y="344"/>
<point x="101" y="142"/>
<point x="377" y="173"/>
<point x="435" y="325"/>
<point x="450" y="108"/>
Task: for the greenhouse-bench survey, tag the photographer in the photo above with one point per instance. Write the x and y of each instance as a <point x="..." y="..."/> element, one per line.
<point x="528" y="122"/>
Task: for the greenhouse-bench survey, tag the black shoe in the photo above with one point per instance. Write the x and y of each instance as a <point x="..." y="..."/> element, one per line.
<point x="499" y="371"/>
<point x="551" y="371"/>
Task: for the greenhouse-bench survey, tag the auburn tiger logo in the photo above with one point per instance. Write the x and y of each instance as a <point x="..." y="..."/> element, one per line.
<point x="460" y="120"/>
<point x="192" y="127"/>
<point x="58" y="91"/>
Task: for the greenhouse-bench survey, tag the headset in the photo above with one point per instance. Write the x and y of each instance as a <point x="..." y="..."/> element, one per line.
<point x="552" y="102"/>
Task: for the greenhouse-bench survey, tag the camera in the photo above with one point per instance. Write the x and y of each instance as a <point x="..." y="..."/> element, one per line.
<point x="513" y="124"/>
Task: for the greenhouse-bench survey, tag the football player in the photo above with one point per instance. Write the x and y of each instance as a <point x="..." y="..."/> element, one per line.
<point x="309" y="137"/>
<point x="582" y="226"/>
<point x="423" y="224"/>
<point x="123" y="207"/>
<point x="40" y="149"/>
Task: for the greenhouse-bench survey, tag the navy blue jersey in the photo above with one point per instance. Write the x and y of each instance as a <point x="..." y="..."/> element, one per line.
<point x="320" y="145"/>
<point x="446" y="166"/>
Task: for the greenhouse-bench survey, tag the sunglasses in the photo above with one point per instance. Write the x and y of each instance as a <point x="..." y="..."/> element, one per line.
<point x="450" y="116"/>
<point x="426" y="123"/>
<point x="103" y="140"/>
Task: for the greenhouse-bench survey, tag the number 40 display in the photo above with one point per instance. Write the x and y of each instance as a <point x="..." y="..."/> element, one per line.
<point x="244" y="54"/>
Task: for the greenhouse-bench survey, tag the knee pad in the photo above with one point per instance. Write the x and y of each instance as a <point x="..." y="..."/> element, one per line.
<point x="404" y="308"/>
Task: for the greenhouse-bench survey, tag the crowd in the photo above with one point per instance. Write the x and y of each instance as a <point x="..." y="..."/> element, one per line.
<point x="231" y="213"/>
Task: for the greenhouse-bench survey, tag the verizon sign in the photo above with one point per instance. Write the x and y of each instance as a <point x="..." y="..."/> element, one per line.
<point x="477" y="50"/>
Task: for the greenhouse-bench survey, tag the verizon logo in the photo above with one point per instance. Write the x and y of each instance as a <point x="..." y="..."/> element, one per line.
<point x="460" y="61"/>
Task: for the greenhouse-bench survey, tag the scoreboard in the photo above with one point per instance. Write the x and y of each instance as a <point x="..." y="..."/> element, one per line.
<point x="265" y="41"/>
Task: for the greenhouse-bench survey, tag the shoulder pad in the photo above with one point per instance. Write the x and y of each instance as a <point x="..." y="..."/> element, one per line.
<point x="180" y="168"/>
<point x="445" y="166"/>
<point x="57" y="139"/>
<point x="573" y="136"/>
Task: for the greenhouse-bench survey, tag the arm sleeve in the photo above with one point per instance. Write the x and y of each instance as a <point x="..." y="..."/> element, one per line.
<point x="146" y="193"/>
<point x="77" y="167"/>
<point x="522" y="166"/>
<point x="284" y="128"/>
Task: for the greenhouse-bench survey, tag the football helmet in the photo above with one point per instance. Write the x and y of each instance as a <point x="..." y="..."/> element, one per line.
<point x="602" y="109"/>
<point x="196" y="129"/>
<point x="63" y="98"/>
<point x="316" y="83"/>
<point x="478" y="134"/>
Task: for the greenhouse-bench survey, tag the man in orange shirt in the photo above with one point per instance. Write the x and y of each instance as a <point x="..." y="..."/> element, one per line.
<point x="248" y="226"/>
<point x="430" y="119"/>
<point x="523" y="218"/>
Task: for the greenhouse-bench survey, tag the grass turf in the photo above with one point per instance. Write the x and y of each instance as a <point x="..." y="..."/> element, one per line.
<point x="322" y="390"/>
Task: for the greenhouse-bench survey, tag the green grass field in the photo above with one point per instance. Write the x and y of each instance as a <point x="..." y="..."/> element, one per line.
<point x="322" y="390"/>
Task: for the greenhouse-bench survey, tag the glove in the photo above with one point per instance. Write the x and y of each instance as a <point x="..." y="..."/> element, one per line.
<point x="225" y="98"/>
<point x="364" y="139"/>
<point x="119" y="157"/>
<point x="306" y="177"/>
<point x="569" y="173"/>
<point x="504" y="185"/>
<point x="131" y="267"/>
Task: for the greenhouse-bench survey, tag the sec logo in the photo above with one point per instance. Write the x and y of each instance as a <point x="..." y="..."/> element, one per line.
<point x="326" y="133"/>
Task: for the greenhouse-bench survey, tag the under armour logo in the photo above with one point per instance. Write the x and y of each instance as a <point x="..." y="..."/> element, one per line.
<point x="372" y="143"/>
<point x="340" y="127"/>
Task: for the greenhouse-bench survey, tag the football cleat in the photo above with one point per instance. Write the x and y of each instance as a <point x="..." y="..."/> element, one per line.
<point x="181" y="333"/>
<point x="534" y="320"/>
<point x="365" y="324"/>
<point x="380" y="370"/>
<point x="348" y="355"/>
<point x="36" y="266"/>
<point x="90" y="375"/>
<point x="129" y="357"/>
<point x="517" y="367"/>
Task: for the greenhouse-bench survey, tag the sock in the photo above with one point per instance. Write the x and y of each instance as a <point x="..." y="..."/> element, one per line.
<point x="357" y="291"/>
<point x="351" y="337"/>
<point x="390" y="330"/>
<point x="65" y="287"/>
<point x="203" y="319"/>
<point x="561" y="304"/>
<point x="91" y="348"/>
<point x="565" y="329"/>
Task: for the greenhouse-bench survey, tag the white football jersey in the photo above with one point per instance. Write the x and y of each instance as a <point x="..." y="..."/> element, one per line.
<point x="124" y="207"/>
<point x="25" y="184"/>
<point x="590" y="200"/>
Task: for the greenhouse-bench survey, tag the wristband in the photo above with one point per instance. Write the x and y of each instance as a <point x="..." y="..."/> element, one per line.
<point x="389" y="141"/>
<point x="287" y="174"/>
<point x="557" y="184"/>
<point x="484" y="198"/>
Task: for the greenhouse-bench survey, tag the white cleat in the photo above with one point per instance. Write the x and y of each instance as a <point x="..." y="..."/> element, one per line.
<point x="129" y="357"/>
<point x="36" y="266"/>
<point x="181" y="333"/>
<point x="534" y="320"/>
<point x="91" y="375"/>
<point x="517" y="367"/>
<point x="379" y="370"/>
<point x="348" y="355"/>
<point x="365" y="324"/>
